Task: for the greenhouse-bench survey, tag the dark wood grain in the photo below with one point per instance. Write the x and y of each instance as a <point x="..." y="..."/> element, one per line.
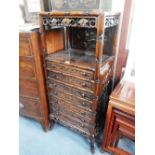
<point x="78" y="77"/>
<point x="120" y="119"/>
<point x="32" y="94"/>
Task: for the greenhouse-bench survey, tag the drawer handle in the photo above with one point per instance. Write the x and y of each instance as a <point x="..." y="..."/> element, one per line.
<point x="55" y="93"/>
<point x="53" y="66"/>
<point x="82" y="125"/>
<point x="83" y="95"/>
<point x="84" y="84"/>
<point x="54" y="76"/>
<point x="54" y="84"/>
<point x="83" y="103"/>
<point x="83" y="113"/>
<point x="84" y="120"/>
<point x="21" y="106"/>
<point x="84" y="74"/>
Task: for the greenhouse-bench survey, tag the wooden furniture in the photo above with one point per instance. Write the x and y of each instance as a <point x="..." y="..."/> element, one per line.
<point x="32" y="92"/>
<point x="120" y="119"/>
<point x="78" y="71"/>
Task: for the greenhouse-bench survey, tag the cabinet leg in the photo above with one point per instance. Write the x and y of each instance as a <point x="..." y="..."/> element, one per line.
<point x="47" y="126"/>
<point x="51" y="124"/>
<point x="92" y="145"/>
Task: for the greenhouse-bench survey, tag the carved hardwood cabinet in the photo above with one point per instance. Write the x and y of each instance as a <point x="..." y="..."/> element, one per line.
<point x="32" y="96"/>
<point x="78" y="71"/>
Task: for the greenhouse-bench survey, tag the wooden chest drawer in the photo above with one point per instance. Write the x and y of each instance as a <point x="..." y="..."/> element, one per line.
<point x="29" y="106"/>
<point x="25" y="47"/>
<point x="72" y="109"/>
<point x="28" y="87"/>
<point x="56" y="86"/>
<point x="26" y="68"/>
<point x="72" y="123"/>
<point x="76" y="101"/>
<point x="67" y="69"/>
<point x="84" y="84"/>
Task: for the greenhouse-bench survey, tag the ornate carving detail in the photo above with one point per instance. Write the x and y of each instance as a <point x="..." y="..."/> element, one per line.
<point x="71" y="80"/>
<point x="70" y="70"/>
<point x="57" y="86"/>
<point x="111" y="21"/>
<point x="49" y="22"/>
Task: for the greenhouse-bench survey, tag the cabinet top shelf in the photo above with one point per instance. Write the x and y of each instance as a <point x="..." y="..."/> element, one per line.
<point x="78" y="13"/>
<point x="73" y="57"/>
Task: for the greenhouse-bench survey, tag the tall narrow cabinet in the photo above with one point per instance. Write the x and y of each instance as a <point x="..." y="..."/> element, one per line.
<point x="78" y="74"/>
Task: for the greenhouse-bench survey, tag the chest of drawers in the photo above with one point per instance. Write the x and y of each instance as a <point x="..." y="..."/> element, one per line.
<point x="32" y="93"/>
<point x="78" y="74"/>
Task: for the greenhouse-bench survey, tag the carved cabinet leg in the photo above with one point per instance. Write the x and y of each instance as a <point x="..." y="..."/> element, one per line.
<point x="92" y="145"/>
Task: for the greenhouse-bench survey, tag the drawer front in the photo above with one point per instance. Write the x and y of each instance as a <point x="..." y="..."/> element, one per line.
<point x="72" y="110"/>
<point x="68" y="121"/>
<point x="72" y="80"/>
<point x="75" y="101"/>
<point x="29" y="107"/>
<point x="25" y="48"/>
<point x="28" y="88"/>
<point x="88" y="75"/>
<point x="26" y="68"/>
<point x="55" y="87"/>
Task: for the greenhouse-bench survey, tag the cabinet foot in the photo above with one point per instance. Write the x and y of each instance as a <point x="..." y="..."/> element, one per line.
<point x="51" y="124"/>
<point x="92" y="145"/>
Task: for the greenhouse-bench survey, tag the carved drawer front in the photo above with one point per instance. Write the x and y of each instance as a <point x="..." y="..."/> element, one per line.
<point x="69" y="121"/>
<point x="85" y="121"/>
<point x="26" y="68"/>
<point x="29" y="107"/>
<point x="72" y="110"/>
<point x="76" y="101"/>
<point x="25" y="48"/>
<point x="51" y="66"/>
<point x="57" y="86"/>
<point x="28" y="88"/>
<point x="72" y="80"/>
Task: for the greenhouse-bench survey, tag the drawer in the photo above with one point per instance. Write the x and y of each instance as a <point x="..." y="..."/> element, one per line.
<point x="76" y="101"/>
<point x="74" y="71"/>
<point x="28" y="87"/>
<point x="72" y="123"/>
<point x="72" y="110"/>
<point x="26" y="68"/>
<point x="29" y="107"/>
<point x="88" y="85"/>
<point x="56" y="86"/>
<point x="25" y="48"/>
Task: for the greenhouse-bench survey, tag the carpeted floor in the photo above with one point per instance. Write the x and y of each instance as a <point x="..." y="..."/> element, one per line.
<point x="59" y="141"/>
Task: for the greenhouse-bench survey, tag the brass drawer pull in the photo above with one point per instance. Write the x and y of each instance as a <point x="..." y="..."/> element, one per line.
<point x="83" y="103"/>
<point x="84" y="84"/>
<point x="83" y="95"/>
<point x="21" y="106"/>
